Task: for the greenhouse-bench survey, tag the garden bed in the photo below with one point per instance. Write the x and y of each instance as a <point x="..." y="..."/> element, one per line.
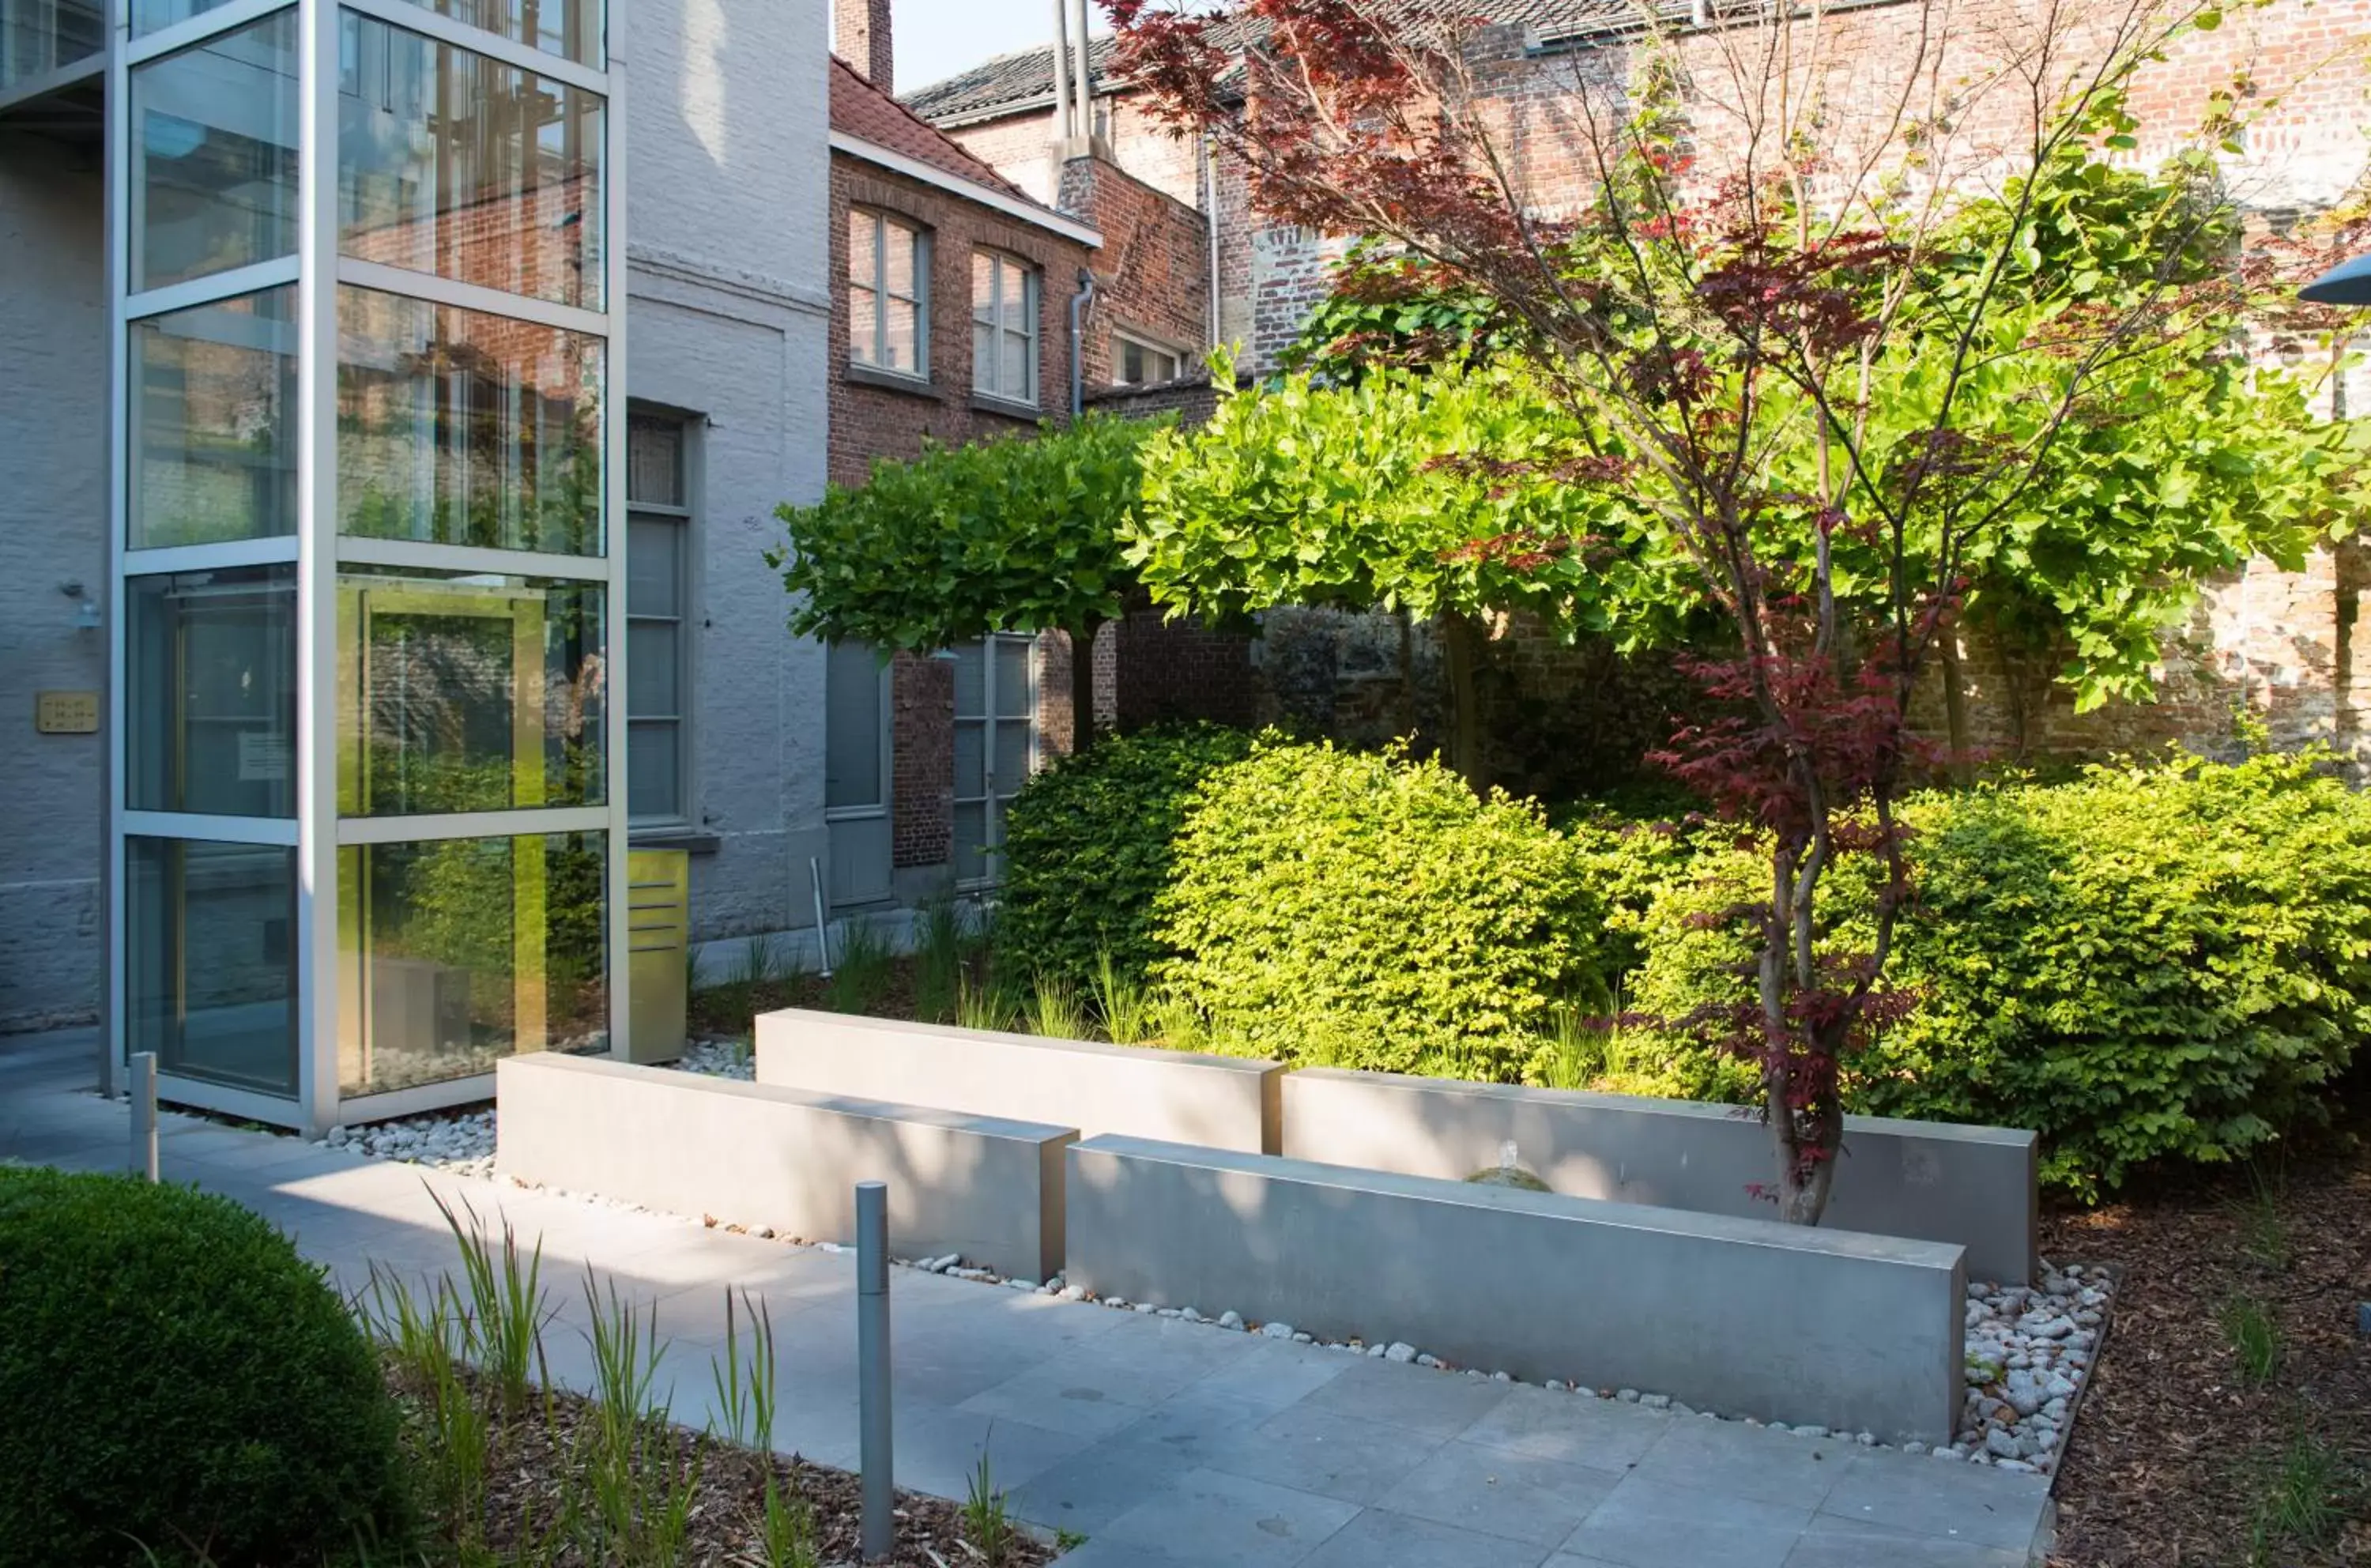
<point x="537" y="1475"/>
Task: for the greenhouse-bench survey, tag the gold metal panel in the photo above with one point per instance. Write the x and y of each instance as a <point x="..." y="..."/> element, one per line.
<point x="66" y="713"/>
<point x="658" y="932"/>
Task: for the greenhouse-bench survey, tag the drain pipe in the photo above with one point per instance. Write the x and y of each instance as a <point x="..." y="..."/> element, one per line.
<point x="1078" y="302"/>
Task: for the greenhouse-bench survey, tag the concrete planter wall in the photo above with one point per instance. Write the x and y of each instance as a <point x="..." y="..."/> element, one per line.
<point x="1926" y="1181"/>
<point x="1216" y="1101"/>
<point x="987" y="1188"/>
<point x="1741" y="1316"/>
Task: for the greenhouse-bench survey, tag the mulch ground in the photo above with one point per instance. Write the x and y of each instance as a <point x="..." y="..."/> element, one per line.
<point x="2180" y="1458"/>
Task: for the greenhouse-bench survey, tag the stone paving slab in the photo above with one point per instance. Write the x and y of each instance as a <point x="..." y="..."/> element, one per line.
<point x="1168" y="1445"/>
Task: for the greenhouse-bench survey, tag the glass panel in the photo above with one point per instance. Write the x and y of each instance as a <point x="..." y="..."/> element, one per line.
<point x="211" y="974"/>
<point x="467" y="693"/>
<point x="1013" y="657"/>
<point x="1011" y="755"/>
<point x="900" y="351"/>
<point x="863" y="326"/>
<point x="455" y="954"/>
<point x="211" y="705"/>
<point x="654" y="567"/>
<point x="897" y="258"/>
<point x="863" y="253"/>
<point x="149" y="16"/>
<point x="570" y="29"/>
<point x="214" y="423"/>
<point x="971" y="842"/>
<point x="983" y="286"/>
<point x="852" y="677"/>
<point x="653" y="461"/>
<point x="654" y="769"/>
<point x="971" y="759"/>
<point x="653" y="686"/>
<point x="983" y="357"/>
<point x="458" y="164"/>
<point x="1016" y="297"/>
<point x="40" y="35"/>
<point x="1012" y="372"/>
<point x="971" y="683"/>
<point x="460" y="428"/>
<point x="213" y="155"/>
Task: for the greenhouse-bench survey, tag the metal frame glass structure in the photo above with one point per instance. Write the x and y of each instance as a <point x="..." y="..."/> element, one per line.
<point x="366" y="782"/>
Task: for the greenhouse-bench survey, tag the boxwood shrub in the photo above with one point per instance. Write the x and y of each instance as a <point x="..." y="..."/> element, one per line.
<point x="2170" y="962"/>
<point x="1090" y="842"/>
<point x="177" y="1379"/>
<point x="1362" y="910"/>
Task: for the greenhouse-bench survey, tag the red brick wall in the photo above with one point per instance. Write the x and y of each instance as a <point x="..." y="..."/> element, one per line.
<point x="870" y="421"/>
<point x="1155" y="259"/>
<point x="921" y="760"/>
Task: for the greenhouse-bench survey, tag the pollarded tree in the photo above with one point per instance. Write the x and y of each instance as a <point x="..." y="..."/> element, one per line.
<point x="1445" y="495"/>
<point x="1008" y="535"/>
<point x="1822" y="392"/>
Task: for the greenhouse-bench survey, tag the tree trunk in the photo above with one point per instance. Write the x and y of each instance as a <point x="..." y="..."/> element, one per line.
<point x="1955" y="707"/>
<point x="1082" y="685"/>
<point x="1461" y="642"/>
<point x="1407" y="677"/>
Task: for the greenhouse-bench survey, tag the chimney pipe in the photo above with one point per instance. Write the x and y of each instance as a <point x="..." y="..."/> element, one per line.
<point x="1086" y="94"/>
<point x="1063" y="124"/>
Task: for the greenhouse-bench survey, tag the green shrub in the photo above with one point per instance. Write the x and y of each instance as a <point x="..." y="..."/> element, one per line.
<point x="173" y="1375"/>
<point x="1368" y="911"/>
<point x="2160" y="962"/>
<point x="1090" y="842"/>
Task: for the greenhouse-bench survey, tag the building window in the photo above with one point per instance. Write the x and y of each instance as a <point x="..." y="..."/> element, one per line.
<point x="213" y="156"/>
<point x="1004" y="327"/>
<point x="857" y="768"/>
<point x="996" y="748"/>
<point x="889" y="294"/>
<point x="1135" y="362"/>
<point x="658" y="619"/>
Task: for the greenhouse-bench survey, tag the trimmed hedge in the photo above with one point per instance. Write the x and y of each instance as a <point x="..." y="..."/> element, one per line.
<point x="1357" y="910"/>
<point x="175" y="1376"/>
<point x="1090" y="842"/>
<point x="2146" y="964"/>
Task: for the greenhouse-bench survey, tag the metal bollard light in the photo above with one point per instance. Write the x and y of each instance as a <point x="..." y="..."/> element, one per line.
<point x="143" y="1113"/>
<point x="872" y="1365"/>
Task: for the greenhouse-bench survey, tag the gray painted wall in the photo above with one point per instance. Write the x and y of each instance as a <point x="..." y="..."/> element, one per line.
<point x="1932" y="1181"/>
<point x="1743" y="1317"/>
<point x="727" y="317"/>
<point x="52" y="531"/>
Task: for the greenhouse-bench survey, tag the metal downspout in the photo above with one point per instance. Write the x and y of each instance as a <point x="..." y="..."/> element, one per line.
<point x="1078" y="302"/>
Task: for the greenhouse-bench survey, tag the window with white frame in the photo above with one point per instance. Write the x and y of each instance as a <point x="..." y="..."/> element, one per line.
<point x="1003" y="327"/>
<point x="1137" y="362"/>
<point x="888" y="294"/>
<point x="658" y="619"/>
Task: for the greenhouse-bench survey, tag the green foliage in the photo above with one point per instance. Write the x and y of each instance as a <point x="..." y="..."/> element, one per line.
<point x="1389" y="307"/>
<point x="1012" y="535"/>
<point x="1329" y="906"/>
<point x="2158" y="962"/>
<point x="177" y="1378"/>
<point x="1443" y="492"/>
<point x="1089" y="842"/>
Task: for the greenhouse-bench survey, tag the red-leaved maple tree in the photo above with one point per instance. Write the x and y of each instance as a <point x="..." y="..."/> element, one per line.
<point x="1796" y="318"/>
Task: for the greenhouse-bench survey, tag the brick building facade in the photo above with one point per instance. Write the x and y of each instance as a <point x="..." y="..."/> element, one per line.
<point x="2279" y="645"/>
<point x="1124" y="258"/>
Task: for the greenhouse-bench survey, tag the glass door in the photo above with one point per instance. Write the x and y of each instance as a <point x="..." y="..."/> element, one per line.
<point x="996" y="748"/>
